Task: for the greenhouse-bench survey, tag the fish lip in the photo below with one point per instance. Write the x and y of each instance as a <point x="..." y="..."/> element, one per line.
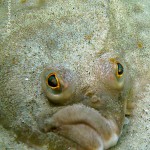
<point x="69" y="116"/>
<point x="59" y="121"/>
<point x="80" y="144"/>
<point x="56" y="127"/>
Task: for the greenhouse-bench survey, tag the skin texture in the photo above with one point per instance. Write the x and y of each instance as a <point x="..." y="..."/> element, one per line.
<point x="88" y="110"/>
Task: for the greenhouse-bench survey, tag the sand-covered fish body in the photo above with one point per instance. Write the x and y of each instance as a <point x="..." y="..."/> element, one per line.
<point x="63" y="74"/>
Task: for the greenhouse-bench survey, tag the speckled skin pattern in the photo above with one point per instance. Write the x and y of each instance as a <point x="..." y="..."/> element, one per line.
<point x="77" y="40"/>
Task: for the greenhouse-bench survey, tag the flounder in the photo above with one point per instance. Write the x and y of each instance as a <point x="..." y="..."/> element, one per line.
<point x="65" y="83"/>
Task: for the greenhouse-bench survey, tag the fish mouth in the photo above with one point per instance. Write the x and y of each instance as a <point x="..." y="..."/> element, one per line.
<point x="83" y="125"/>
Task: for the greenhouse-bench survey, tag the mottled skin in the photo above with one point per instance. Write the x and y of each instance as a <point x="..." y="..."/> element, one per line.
<point x="88" y="112"/>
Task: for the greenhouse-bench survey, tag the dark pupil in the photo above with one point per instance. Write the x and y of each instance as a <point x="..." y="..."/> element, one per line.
<point x="120" y="69"/>
<point x="52" y="81"/>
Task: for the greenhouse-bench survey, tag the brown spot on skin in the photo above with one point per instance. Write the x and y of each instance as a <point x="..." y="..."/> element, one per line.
<point x="14" y="61"/>
<point x="140" y="45"/>
<point x="88" y="37"/>
<point x="23" y="1"/>
<point x="113" y="60"/>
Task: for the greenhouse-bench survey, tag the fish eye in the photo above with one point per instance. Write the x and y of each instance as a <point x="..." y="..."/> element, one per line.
<point x="57" y="84"/>
<point x="53" y="81"/>
<point x="119" y="70"/>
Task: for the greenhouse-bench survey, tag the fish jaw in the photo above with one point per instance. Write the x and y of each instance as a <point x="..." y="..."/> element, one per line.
<point x="83" y="125"/>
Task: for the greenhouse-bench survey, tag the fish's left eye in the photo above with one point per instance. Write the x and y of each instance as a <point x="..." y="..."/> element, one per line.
<point x="119" y="70"/>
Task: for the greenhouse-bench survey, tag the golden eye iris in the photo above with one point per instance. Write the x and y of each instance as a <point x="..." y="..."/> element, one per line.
<point x="53" y="81"/>
<point x="119" y="70"/>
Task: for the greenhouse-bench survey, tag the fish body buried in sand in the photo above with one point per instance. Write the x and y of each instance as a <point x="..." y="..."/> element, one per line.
<point x="96" y="120"/>
<point x="64" y="81"/>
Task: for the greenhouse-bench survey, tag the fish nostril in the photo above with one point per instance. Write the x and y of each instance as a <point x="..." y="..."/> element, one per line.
<point x="86" y="91"/>
<point x="89" y="93"/>
<point x="94" y="99"/>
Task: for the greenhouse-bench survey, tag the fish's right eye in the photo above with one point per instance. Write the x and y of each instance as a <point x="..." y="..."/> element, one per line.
<point x="53" y="81"/>
<point x="57" y="84"/>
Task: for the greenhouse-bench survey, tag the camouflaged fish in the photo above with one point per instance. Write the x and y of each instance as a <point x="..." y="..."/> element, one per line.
<point x="64" y="82"/>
